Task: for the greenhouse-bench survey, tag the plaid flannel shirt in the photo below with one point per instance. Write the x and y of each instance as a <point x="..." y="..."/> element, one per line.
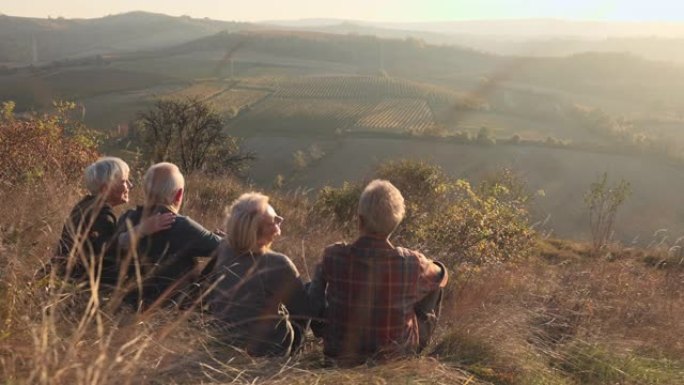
<point x="368" y="290"/>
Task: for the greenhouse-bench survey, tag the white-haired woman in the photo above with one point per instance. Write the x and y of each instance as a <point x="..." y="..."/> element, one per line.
<point x="260" y="298"/>
<point x="88" y="234"/>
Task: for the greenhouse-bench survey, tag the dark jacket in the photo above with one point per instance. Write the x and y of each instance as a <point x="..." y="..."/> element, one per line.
<point x="261" y="299"/>
<point x="88" y="231"/>
<point x="167" y="258"/>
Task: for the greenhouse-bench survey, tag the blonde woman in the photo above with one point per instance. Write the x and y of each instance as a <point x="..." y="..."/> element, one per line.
<point x="260" y="298"/>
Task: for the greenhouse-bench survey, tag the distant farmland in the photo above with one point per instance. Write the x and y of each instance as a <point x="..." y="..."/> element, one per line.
<point x="563" y="176"/>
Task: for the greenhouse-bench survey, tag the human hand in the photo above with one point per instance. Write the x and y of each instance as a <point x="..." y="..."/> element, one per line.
<point x="156" y="223"/>
<point x="220" y="233"/>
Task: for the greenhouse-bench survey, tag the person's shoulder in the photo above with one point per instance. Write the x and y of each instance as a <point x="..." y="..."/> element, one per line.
<point x="336" y="248"/>
<point x="184" y="221"/>
<point x="133" y="214"/>
<point x="277" y="257"/>
<point x="106" y="215"/>
<point x="86" y="206"/>
<point x="279" y="261"/>
<point x="407" y="251"/>
<point x="410" y="253"/>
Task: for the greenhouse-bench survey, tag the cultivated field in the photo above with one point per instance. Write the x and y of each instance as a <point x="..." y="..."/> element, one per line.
<point x="562" y="175"/>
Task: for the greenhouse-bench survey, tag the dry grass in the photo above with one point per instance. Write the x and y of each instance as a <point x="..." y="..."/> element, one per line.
<point x="562" y="317"/>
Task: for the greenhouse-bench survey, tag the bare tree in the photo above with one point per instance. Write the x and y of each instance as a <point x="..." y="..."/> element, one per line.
<point x="190" y="134"/>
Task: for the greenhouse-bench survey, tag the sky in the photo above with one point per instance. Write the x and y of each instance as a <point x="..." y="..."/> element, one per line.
<point x="369" y="10"/>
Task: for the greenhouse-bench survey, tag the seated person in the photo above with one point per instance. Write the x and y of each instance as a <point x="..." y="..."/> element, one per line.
<point x="377" y="300"/>
<point x="259" y="299"/>
<point x="166" y="258"/>
<point x="87" y="235"/>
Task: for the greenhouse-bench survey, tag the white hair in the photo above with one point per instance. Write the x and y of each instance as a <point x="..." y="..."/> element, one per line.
<point x="381" y="206"/>
<point x="161" y="183"/>
<point x="103" y="172"/>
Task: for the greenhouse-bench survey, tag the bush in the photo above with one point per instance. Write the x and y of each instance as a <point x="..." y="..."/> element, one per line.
<point x="34" y="146"/>
<point x="339" y="204"/>
<point x="446" y="217"/>
<point x="603" y="202"/>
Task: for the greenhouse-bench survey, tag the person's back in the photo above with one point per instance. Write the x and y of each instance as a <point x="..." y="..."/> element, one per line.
<point x="259" y="302"/>
<point x="251" y="296"/>
<point x="372" y="292"/>
<point x="167" y="258"/>
<point x="91" y="226"/>
<point x="376" y="300"/>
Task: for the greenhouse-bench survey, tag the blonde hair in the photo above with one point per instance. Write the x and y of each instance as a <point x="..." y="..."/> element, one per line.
<point x="243" y="219"/>
<point x="381" y="206"/>
<point x="103" y="172"/>
<point x="161" y="183"/>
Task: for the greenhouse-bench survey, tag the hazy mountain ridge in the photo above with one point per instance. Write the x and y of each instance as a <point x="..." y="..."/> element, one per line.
<point x="57" y="39"/>
<point x="534" y="37"/>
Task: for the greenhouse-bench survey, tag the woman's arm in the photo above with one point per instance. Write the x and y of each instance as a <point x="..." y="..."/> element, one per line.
<point x="147" y="226"/>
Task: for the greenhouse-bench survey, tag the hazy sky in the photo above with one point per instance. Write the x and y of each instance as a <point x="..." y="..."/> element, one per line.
<point x="373" y="10"/>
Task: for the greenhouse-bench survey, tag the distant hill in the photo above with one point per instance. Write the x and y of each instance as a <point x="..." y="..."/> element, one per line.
<point x="23" y="40"/>
<point x="621" y="75"/>
<point x="541" y="37"/>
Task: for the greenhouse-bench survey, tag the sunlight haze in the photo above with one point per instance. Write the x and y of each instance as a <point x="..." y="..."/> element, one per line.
<point x="378" y="10"/>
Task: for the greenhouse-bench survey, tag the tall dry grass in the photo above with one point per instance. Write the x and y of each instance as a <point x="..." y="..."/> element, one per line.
<point x="558" y="317"/>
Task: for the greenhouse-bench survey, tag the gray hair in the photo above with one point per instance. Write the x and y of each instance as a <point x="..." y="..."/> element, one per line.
<point x="381" y="206"/>
<point x="160" y="184"/>
<point x="103" y="172"/>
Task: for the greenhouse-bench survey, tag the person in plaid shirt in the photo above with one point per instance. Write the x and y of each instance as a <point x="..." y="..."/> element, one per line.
<point x="376" y="300"/>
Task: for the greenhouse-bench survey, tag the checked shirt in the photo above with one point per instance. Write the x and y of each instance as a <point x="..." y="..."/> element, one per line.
<point x="369" y="291"/>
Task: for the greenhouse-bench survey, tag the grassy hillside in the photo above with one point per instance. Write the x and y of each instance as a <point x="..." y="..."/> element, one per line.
<point x="561" y="316"/>
<point x="520" y="308"/>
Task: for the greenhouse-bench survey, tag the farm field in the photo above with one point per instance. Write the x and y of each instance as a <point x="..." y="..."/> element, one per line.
<point x="39" y="89"/>
<point x="231" y="101"/>
<point x="110" y="110"/>
<point x="398" y="115"/>
<point x="562" y="175"/>
<point x="200" y="90"/>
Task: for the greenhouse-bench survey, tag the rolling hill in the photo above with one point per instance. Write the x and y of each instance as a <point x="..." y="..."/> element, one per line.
<point x="345" y="102"/>
<point x="59" y="39"/>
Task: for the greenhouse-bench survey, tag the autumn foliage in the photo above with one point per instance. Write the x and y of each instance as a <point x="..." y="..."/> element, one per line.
<point x="34" y="146"/>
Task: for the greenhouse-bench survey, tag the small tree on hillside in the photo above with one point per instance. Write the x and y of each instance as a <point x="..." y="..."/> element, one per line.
<point x="603" y="202"/>
<point x="190" y="134"/>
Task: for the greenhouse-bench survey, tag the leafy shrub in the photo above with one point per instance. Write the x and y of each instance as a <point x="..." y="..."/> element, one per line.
<point x="31" y="147"/>
<point x="603" y="202"/>
<point x="447" y="217"/>
<point x="339" y="204"/>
